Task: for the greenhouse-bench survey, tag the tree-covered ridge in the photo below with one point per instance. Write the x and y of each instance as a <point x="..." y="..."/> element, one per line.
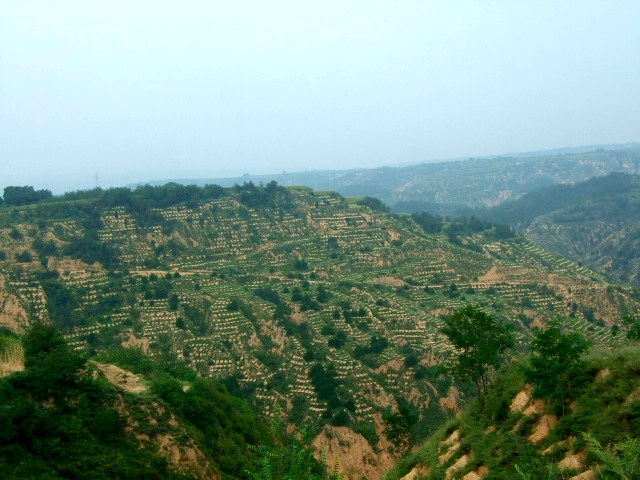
<point x="258" y="297"/>
<point x="146" y="197"/>
<point x="608" y="196"/>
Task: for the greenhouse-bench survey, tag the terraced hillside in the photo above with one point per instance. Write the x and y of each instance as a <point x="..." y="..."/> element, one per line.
<point x="293" y="297"/>
<point x="593" y="222"/>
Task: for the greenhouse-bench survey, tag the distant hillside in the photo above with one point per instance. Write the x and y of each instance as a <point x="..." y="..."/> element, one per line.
<point x="595" y="222"/>
<point x="327" y="308"/>
<point x="455" y="187"/>
<point x="516" y="433"/>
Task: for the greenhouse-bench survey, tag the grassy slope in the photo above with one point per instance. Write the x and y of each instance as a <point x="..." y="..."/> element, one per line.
<point x="497" y="438"/>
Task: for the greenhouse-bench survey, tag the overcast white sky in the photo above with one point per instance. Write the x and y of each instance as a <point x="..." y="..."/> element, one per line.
<point x="137" y="90"/>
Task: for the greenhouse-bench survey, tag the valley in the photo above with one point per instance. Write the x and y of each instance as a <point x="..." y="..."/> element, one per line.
<point x="296" y="299"/>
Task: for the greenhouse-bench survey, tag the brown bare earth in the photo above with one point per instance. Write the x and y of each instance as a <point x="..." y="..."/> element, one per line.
<point x="586" y="475"/>
<point x="460" y="463"/>
<point x="183" y="455"/>
<point x="417" y="473"/>
<point x="390" y="281"/>
<point x="393" y="365"/>
<point x="451" y="401"/>
<point x="573" y="461"/>
<point x="126" y="380"/>
<point x="188" y="459"/>
<point x="130" y="340"/>
<point x="542" y="428"/>
<point x="477" y="474"/>
<point x="521" y="399"/>
<point x="491" y="276"/>
<point x="12" y="315"/>
<point x="453" y="443"/>
<point x="11" y="360"/>
<point x="354" y="454"/>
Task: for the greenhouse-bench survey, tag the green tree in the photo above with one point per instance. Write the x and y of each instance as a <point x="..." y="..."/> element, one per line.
<point x="292" y="460"/>
<point x="480" y="342"/>
<point x="634" y="327"/>
<point x="397" y="429"/>
<point x="24" y="195"/>
<point x="374" y="204"/>
<point x="51" y="367"/>
<point x="174" y="301"/>
<point x="555" y="366"/>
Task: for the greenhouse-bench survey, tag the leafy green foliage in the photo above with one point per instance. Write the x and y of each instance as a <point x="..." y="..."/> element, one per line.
<point x="634" y="327"/>
<point x="290" y="459"/>
<point x="429" y="223"/>
<point x="269" y="196"/>
<point x="80" y="426"/>
<point x="556" y="368"/>
<point x="621" y="459"/>
<point x="374" y="204"/>
<point x="24" y="195"/>
<point x="269" y="295"/>
<point x="225" y="425"/>
<point x="480" y="341"/>
<point x="61" y="301"/>
<point x="601" y="414"/>
<point x="24" y="256"/>
<point x="51" y="367"/>
<point x="397" y="429"/>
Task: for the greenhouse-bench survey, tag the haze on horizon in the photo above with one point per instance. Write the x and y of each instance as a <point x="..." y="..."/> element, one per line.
<point x="137" y="91"/>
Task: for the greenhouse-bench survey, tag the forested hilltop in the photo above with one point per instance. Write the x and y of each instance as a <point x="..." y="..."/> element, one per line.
<point x="594" y="222"/>
<point x="326" y="309"/>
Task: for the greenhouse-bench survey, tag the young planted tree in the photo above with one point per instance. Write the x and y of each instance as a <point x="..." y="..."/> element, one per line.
<point x="480" y="341"/>
<point x="634" y="327"/>
<point x="555" y="365"/>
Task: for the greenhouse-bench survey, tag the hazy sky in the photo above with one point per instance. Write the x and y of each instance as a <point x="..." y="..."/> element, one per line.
<point x="136" y="90"/>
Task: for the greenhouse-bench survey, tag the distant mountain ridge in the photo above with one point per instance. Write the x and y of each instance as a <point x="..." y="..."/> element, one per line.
<point x="457" y="187"/>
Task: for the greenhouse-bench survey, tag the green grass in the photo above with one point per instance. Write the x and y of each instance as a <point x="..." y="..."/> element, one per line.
<point x="604" y="409"/>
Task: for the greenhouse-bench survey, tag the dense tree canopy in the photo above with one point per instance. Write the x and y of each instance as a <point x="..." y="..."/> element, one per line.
<point x="25" y="195"/>
<point x="480" y="341"/>
<point x="555" y="362"/>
